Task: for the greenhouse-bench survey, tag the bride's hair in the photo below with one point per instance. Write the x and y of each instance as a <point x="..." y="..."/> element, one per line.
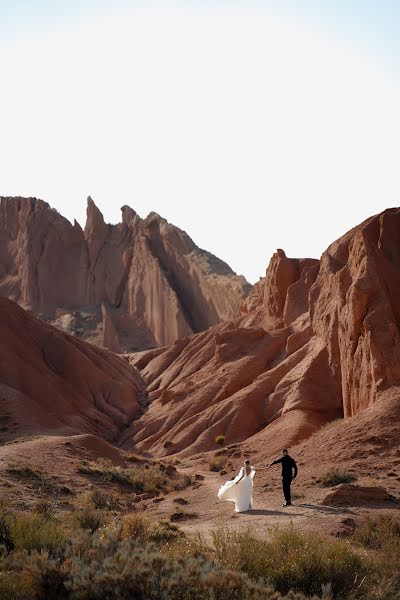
<point x="246" y="462"/>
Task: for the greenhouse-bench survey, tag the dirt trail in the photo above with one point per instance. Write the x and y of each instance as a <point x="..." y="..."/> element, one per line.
<point x="196" y="508"/>
<point x="205" y="511"/>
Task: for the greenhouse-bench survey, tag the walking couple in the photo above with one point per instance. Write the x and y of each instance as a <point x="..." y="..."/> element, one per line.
<point x="240" y="489"/>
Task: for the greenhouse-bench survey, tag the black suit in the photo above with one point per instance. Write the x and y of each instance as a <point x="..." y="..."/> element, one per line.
<point x="288" y="466"/>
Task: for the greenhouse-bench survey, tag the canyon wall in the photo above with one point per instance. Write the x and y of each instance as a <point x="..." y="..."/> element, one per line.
<point x="135" y="285"/>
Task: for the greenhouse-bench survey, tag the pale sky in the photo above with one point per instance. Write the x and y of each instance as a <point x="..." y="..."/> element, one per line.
<point x="251" y="125"/>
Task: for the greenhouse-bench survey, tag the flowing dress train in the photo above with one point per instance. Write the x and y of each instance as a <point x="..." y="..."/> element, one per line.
<point x="242" y="493"/>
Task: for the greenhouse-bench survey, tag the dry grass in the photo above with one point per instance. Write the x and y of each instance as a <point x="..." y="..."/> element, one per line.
<point x="217" y="464"/>
<point x="132" y="556"/>
<point x="140" y="477"/>
<point x="336" y="476"/>
<point x="24" y="471"/>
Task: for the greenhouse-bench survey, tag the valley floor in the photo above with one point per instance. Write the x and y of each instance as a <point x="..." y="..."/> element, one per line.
<point x="47" y="467"/>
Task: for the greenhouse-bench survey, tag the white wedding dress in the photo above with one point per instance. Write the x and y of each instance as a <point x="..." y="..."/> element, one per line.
<point x="242" y="493"/>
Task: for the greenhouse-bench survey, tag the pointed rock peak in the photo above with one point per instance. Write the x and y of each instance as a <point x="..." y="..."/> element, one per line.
<point x="77" y="225"/>
<point x="152" y="219"/>
<point x="95" y="219"/>
<point x="128" y="214"/>
<point x="281" y="253"/>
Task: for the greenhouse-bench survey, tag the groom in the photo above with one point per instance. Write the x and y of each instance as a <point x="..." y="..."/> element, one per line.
<point x="288" y="465"/>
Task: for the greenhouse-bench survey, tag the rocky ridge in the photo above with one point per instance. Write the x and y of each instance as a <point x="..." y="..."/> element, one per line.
<point x="135" y="285"/>
<point x="52" y="383"/>
<point x="316" y="341"/>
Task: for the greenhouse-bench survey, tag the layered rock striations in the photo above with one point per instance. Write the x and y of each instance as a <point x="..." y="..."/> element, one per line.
<point x="135" y="285"/>
<point x="53" y="383"/>
<point x="316" y="341"/>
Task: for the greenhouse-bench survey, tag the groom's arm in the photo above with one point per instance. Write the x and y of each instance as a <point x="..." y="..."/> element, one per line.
<point x="295" y="469"/>
<point x="275" y="462"/>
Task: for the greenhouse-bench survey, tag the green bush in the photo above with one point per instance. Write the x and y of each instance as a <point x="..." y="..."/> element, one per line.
<point x="220" y="439"/>
<point x="32" y="532"/>
<point x="335" y="477"/>
<point x="290" y="559"/>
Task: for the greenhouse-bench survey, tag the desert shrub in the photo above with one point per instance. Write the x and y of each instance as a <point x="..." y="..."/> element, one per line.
<point x="165" y="532"/>
<point x="379" y="534"/>
<point x="108" y="568"/>
<point x="45" y="509"/>
<point x="24" y="471"/>
<point x="335" y="477"/>
<point x="136" y="527"/>
<point x="141" y="477"/>
<point x="32" y="532"/>
<point x="290" y="559"/>
<point x="181" y="483"/>
<point x="103" y="500"/>
<point x="14" y="587"/>
<point x="6" y="539"/>
<point x="49" y="577"/>
<point x="88" y="518"/>
<point x="216" y="464"/>
<point x="220" y="439"/>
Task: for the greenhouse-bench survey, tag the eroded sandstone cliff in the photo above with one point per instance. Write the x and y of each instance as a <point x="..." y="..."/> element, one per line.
<point x="135" y="285"/>
<point x="52" y="383"/>
<point x="316" y="340"/>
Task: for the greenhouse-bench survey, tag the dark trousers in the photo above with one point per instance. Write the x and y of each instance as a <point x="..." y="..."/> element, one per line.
<point x="286" y="482"/>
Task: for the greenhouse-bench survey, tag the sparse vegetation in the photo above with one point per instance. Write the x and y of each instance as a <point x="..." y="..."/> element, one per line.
<point x="103" y="565"/>
<point x="140" y="477"/>
<point x="32" y="532"/>
<point x="88" y="518"/>
<point x="335" y="477"/>
<point x="45" y="509"/>
<point x="380" y="534"/>
<point x="136" y="527"/>
<point x="93" y="553"/>
<point x="24" y="471"/>
<point x="290" y="559"/>
<point x="220" y="440"/>
<point x="331" y="424"/>
<point x="217" y="464"/>
<point x="182" y="515"/>
<point x="177" y="485"/>
<point x="102" y="500"/>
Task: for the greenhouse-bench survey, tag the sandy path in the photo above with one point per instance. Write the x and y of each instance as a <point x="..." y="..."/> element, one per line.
<point x="305" y="513"/>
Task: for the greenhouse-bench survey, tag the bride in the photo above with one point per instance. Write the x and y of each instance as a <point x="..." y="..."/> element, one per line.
<point x="240" y="489"/>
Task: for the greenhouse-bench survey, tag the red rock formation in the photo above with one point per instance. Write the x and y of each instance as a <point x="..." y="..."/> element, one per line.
<point x="156" y="283"/>
<point x="315" y="341"/>
<point x="349" y="494"/>
<point x="53" y="383"/>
